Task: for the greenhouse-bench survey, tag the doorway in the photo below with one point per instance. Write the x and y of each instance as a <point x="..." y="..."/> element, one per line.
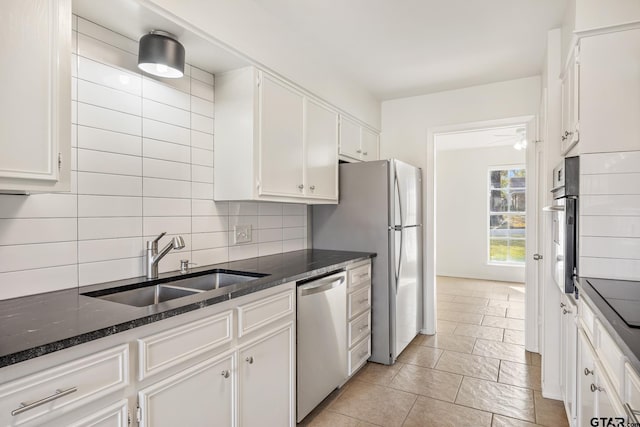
<point x="479" y="226"/>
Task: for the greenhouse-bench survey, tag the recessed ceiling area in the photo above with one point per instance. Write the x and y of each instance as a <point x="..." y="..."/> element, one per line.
<point x="412" y="47"/>
<point x="481" y="138"/>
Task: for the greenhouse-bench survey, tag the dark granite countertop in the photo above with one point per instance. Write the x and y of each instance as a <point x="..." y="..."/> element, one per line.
<point x="39" y="324"/>
<point x="627" y="338"/>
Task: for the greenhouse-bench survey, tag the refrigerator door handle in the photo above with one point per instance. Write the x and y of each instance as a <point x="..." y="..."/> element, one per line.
<point x="397" y="188"/>
<point x="399" y="259"/>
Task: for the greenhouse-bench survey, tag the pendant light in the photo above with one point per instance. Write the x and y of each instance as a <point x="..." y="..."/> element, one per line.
<point x="161" y="54"/>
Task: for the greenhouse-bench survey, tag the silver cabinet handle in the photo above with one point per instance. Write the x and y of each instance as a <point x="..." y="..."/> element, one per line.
<point x="225" y="373"/>
<point x="565" y="311"/>
<point x="595" y="388"/>
<point x="358" y="151"/>
<point x="562" y="305"/>
<point x="249" y="360"/>
<point x="364" y="153"/>
<point x="57" y="395"/>
<point x="588" y="372"/>
<point x="537" y="257"/>
<point x="313" y="187"/>
<point x="631" y="413"/>
<point x="300" y="186"/>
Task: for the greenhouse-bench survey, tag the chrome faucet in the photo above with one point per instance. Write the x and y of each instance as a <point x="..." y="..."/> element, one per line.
<point x="154" y="257"/>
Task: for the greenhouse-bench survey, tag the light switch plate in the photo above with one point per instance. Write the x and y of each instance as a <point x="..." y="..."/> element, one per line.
<point x="242" y="233"/>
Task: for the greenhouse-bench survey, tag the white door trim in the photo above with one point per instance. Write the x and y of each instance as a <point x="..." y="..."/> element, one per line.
<point x="429" y="215"/>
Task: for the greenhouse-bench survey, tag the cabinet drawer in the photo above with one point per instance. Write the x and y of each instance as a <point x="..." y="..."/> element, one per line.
<point x="359" y="275"/>
<point x="587" y="319"/>
<point x="359" y="355"/>
<point x="610" y="356"/>
<point x="359" y="328"/>
<point x="160" y="351"/>
<point x="91" y="377"/>
<point x="632" y="389"/>
<point x="112" y="416"/>
<point x="359" y="301"/>
<point x="260" y="313"/>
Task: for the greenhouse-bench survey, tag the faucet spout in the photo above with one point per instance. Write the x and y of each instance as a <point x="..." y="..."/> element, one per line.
<point x="154" y="257"/>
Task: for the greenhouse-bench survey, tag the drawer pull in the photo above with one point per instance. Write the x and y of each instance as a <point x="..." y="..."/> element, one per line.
<point x="631" y="413"/>
<point x="595" y="388"/>
<point x="249" y="360"/>
<point x="57" y="395"/>
<point x="225" y="373"/>
<point x="588" y="372"/>
<point x="565" y="311"/>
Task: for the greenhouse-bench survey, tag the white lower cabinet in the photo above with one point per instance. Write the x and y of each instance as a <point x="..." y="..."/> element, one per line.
<point x="568" y="356"/>
<point x="604" y="381"/>
<point x="266" y="378"/>
<point x="194" y="369"/>
<point x="194" y="397"/>
<point x="116" y="415"/>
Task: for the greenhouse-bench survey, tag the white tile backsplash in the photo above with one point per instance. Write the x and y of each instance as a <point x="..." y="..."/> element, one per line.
<point x="610" y="215"/>
<point x="142" y="164"/>
<point x="95" y="94"/>
<point x="113" y="142"/>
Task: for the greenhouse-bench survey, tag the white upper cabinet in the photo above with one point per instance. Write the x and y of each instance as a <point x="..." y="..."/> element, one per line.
<point x="369" y="144"/>
<point x="570" y="134"/>
<point x="35" y="106"/>
<point x="273" y="142"/>
<point x="321" y="151"/>
<point x="281" y="149"/>
<point x="349" y="138"/>
<point x="609" y="87"/>
<point x="357" y="142"/>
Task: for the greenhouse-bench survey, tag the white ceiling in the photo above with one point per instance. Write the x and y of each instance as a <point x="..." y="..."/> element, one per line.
<point x="399" y="48"/>
<point x="480" y="138"/>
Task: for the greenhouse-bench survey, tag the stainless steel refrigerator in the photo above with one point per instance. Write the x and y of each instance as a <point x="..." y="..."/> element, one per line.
<point x="380" y="210"/>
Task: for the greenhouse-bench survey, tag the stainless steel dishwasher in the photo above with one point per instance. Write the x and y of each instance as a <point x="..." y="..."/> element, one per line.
<point x="322" y="339"/>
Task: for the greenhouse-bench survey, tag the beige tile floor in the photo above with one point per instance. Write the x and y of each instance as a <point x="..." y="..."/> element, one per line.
<point x="473" y="372"/>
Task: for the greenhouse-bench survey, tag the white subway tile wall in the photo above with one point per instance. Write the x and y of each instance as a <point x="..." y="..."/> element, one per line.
<point x="610" y="215"/>
<point x="142" y="164"/>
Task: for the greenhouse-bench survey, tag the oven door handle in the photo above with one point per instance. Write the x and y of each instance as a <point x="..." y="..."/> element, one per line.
<point x="554" y="208"/>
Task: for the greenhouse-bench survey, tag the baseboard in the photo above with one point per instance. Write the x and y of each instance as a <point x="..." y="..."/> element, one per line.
<point x="551" y="392"/>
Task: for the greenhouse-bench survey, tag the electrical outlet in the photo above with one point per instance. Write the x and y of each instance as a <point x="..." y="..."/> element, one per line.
<point x="242" y="233"/>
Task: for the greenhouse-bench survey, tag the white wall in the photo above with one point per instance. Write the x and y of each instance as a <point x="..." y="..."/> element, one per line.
<point x="246" y="27"/>
<point x="407" y="134"/>
<point x="142" y="163"/>
<point x="461" y="212"/>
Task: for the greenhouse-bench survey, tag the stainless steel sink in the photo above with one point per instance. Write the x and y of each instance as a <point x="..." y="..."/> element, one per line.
<point x="211" y="281"/>
<point x="155" y="294"/>
<point x="142" y="297"/>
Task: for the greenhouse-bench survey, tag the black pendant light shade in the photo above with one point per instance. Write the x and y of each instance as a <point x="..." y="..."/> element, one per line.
<point x="161" y="54"/>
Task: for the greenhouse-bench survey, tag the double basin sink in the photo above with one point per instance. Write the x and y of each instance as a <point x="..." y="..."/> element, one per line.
<point x="155" y="294"/>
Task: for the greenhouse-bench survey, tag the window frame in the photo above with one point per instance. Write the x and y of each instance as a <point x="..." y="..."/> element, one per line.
<point x="506" y="263"/>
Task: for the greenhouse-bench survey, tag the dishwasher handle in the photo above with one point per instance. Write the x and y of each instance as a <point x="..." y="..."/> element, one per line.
<point x="322" y="285"/>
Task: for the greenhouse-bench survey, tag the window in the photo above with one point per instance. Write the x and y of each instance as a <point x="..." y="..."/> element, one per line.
<point x="507" y="221"/>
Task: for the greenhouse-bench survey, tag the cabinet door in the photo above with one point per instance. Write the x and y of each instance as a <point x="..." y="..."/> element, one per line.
<point x="281" y="145"/>
<point x="568" y="350"/>
<point x="349" y="138"/>
<point x="586" y="376"/>
<point x="202" y="395"/>
<point x="266" y="380"/>
<point x="570" y="105"/>
<point x="321" y="151"/>
<point x="607" y="402"/>
<point x="369" y="145"/>
<point x="35" y="106"/>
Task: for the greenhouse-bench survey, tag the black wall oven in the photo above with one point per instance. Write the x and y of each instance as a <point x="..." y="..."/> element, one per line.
<point x="565" y="192"/>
